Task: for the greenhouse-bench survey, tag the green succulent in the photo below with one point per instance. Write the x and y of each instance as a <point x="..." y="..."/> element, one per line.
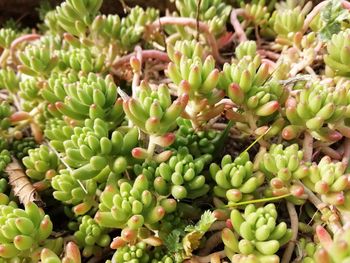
<point x="71" y="191"/>
<point x="9" y="79"/>
<point x="214" y="12"/>
<point x="235" y="180"/>
<point x="90" y="235"/>
<point x="22" y="231"/>
<point x="88" y="97"/>
<point x="260" y="235"/>
<point x="319" y="109"/>
<point x="181" y="176"/>
<point x="132" y="204"/>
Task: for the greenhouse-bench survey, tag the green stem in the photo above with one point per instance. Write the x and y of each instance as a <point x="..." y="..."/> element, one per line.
<point x="151" y="147"/>
<point x="263" y="200"/>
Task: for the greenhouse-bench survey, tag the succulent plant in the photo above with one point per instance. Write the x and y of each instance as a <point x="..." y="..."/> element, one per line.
<point x="20" y="147"/>
<point x="284" y="166"/>
<point x="319" y="109"/>
<point x="5" y="114"/>
<point x="7" y="35"/>
<point x="37" y="60"/>
<point x="163" y="135"/>
<point x="76" y="16"/>
<point x="337" y="57"/>
<point x="22" y="231"/>
<point x="197" y="142"/>
<point x="256" y="96"/>
<point x="91" y="96"/>
<point x="246" y="48"/>
<point x="153" y="112"/>
<point x="132" y="204"/>
<point x="95" y="153"/>
<point x="82" y="60"/>
<point x="181" y="175"/>
<point x="261" y="236"/>
<point x="213" y="12"/>
<point x="58" y="131"/>
<point x="199" y="79"/>
<point x="71" y="191"/>
<point x="235" y="180"/>
<point x="256" y="11"/>
<point x="288" y="21"/>
<point x="72" y="254"/>
<point x="9" y="80"/>
<point x="90" y="234"/>
<point x="307" y="250"/>
<point x="332" y="250"/>
<point x="41" y="163"/>
<point x="328" y="179"/>
<point x="135" y="253"/>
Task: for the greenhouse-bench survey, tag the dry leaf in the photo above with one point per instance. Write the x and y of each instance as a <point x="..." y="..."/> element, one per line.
<point x="21" y="185"/>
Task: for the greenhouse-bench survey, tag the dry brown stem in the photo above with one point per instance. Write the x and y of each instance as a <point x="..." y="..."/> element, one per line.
<point x="21" y="185"/>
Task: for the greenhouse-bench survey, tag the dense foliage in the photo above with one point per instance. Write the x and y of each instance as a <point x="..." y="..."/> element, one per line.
<point x="215" y="133"/>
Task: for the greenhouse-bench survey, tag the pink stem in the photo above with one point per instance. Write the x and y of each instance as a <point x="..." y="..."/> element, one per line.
<point x="270" y="63"/>
<point x="206" y="259"/>
<point x="308" y="146"/>
<point x="312" y="15"/>
<point x="346" y="155"/>
<point x="192" y="22"/>
<point x="331" y="152"/>
<point x="269" y="54"/>
<point x="294" y="226"/>
<point x="346" y="4"/>
<point x="213" y="241"/>
<point x="237" y="25"/>
<point x="21" y="39"/>
<point x="146" y="54"/>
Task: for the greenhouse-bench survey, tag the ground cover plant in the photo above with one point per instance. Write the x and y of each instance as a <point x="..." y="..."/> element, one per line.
<point x="212" y="132"/>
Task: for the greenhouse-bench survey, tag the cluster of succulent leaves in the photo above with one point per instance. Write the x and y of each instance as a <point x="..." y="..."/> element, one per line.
<point x="197" y="157"/>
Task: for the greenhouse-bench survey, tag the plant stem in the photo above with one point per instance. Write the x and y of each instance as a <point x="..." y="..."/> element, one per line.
<point x="332" y="153"/>
<point x="312" y="15"/>
<point x="146" y="54"/>
<point x="137" y="75"/>
<point x="151" y="147"/>
<point x="217" y="225"/>
<point x="18" y="41"/>
<point x="237" y="25"/>
<point x="346" y="155"/>
<point x="308" y="146"/>
<point x="294" y="226"/>
<point x="212" y="242"/>
<point x="207" y="259"/>
<point x="192" y="22"/>
<point x="262" y="200"/>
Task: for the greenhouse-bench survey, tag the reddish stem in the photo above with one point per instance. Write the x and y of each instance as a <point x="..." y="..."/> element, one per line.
<point x="21" y="39"/>
<point x="294" y="226"/>
<point x="312" y="15"/>
<point x="331" y="152"/>
<point x="346" y="155"/>
<point x="237" y="25"/>
<point x="192" y="22"/>
<point x="269" y="54"/>
<point x="308" y="146"/>
<point x="146" y="54"/>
